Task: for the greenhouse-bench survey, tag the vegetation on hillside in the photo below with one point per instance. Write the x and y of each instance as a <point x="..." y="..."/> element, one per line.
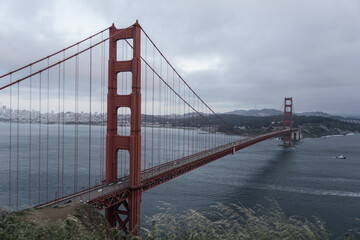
<point x="223" y="222"/>
<point x="85" y="222"/>
<point x="234" y="222"/>
<point x="311" y="126"/>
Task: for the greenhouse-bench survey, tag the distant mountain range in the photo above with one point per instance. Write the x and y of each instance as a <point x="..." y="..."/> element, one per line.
<point x="315" y="114"/>
<point x="272" y="112"/>
<point x="256" y="113"/>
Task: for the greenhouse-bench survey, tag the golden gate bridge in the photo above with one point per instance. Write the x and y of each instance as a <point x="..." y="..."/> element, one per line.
<point x="104" y="120"/>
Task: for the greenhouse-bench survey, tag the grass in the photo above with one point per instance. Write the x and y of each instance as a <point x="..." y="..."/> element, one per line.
<point x="232" y="221"/>
<point x="85" y="223"/>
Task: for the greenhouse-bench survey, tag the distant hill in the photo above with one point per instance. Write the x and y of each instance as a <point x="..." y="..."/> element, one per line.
<point x="315" y="114"/>
<point x="311" y="126"/>
<point x="273" y="112"/>
<point x="256" y="113"/>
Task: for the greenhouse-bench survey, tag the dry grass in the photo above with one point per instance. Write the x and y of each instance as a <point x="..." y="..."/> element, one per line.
<point x="83" y="222"/>
<point x="233" y="222"/>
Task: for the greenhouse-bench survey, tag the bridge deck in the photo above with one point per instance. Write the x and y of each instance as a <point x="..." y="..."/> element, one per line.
<point x="106" y="195"/>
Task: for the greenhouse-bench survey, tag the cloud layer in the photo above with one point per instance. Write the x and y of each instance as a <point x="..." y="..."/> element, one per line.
<point x="235" y="54"/>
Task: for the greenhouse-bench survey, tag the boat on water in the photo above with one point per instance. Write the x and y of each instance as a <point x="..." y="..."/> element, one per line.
<point x="341" y="157"/>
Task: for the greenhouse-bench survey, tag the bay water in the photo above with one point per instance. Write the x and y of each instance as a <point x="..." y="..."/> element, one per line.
<point x="306" y="180"/>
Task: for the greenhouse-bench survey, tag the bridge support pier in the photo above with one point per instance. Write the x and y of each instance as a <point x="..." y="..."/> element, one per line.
<point x="134" y="205"/>
<point x="287" y="139"/>
<point x="126" y="214"/>
<point x="118" y="215"/>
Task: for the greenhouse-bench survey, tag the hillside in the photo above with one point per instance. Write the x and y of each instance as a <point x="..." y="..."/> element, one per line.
<point x="255" y="113"/>
<point x="232" y="222"/>
<point x="70" y="222"/>
<point x="311" y="126"/>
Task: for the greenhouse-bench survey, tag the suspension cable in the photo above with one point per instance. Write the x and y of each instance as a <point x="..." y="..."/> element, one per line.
<point x="177" y="94"/>
<point x="51" y="55"/>
<point x="183" y="79"/>
<point x="61" y="61"/>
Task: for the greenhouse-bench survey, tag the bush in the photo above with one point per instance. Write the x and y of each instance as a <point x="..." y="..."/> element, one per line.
<point x="233" y="221"/>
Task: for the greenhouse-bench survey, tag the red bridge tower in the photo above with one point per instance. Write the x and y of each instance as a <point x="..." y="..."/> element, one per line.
<point x="287" y="139"/>
<point x="125" y="215"/>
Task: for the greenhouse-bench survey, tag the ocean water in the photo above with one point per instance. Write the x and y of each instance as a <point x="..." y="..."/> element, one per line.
<point x="306" y="180"/>
<point x="41" y="163"/>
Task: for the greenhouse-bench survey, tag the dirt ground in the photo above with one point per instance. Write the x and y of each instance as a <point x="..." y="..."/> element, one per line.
<point x="49" y="215"/>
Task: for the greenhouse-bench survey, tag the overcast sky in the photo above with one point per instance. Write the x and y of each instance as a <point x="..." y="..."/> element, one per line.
<point x="235" y="54"/>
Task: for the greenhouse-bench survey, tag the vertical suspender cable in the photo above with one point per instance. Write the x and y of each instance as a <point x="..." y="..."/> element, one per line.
<point x="90" y="86"/>
<point x="183" y="121"/>
<point x="124" y="90"/>
<point x="206" y="130"/>
<point x="30" y="125"/>
<point x="58" y="133"/>
<point x="146" y="103"/>
<point x="211" y="136"/>
<point x="75" y="150"/>
<point x="211" y="133"/>
<point x="17" y="147"/>
<point x="76" y="121"/>
<point x="122" y="129"/>
<point x="198" y="136"/>
<point x="202" y="137"/>
<point x="179" y="124"/>
<point x="195" y="138"/>
<point x="193" y="129"/>
<point x="63" y="129"/>
<point x="102" y="134"/>
<point x="101" y="112"/>
<point x="39" y="162"/>
<point x="184" y="118"/>
<point x="203" y="146"/>
<point x="167" y="104"/>
<point x="189" y="127"/>
<point x="152" y="114"/>
<point x="10" y="141"/>
<point x="159" y="118"/>
<point x="173" y="111"/>
<point x="47" y="134"/>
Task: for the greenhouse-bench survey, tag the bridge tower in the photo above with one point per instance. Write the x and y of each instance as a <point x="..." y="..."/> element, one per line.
<point x="287" y="139"/>
<point x="125" y="215"/>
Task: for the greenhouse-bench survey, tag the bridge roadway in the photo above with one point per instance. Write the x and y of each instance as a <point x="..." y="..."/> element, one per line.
<point x="106" y="195"/>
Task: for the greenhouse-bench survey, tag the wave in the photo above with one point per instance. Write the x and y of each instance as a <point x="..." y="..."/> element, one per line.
<point x="302" y="190"/>
<point x="329" y="179"/>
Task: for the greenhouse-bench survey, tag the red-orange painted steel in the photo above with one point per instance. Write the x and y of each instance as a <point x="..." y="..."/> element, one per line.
<point x="287" y="139"/>
<point x="132" y="143"/>
<point x="158" y="177"/>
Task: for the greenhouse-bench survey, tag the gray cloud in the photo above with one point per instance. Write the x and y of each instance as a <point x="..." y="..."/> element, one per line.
<point x="257" y="52"/>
